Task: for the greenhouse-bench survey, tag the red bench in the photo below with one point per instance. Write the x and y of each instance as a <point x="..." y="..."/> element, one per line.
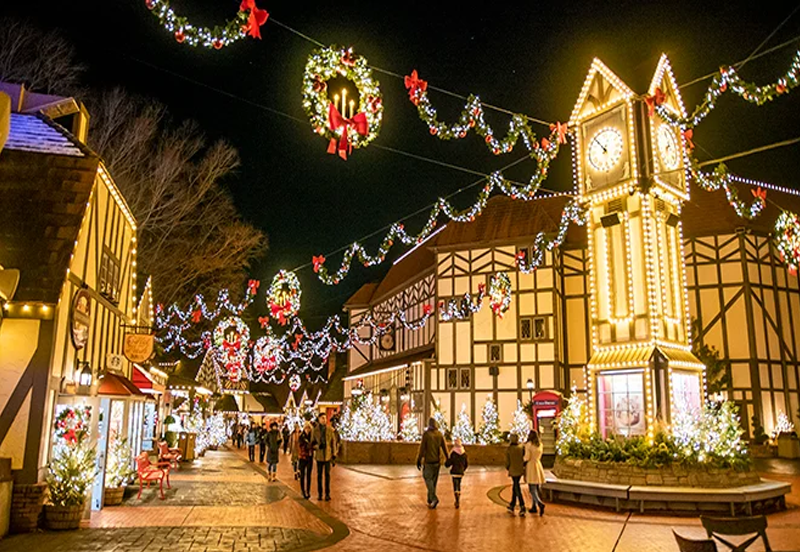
<point x="171" y="455"/>
<point x="149" y="472"/>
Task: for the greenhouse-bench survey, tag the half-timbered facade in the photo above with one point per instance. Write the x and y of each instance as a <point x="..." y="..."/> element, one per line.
<point x="68" y="230"/>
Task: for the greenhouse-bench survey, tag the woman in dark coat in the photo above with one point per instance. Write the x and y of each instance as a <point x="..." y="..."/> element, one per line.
<point x="273" y="441"/>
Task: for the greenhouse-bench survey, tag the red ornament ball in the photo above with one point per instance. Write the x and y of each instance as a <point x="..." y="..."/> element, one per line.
<point x="179" y="36"/>
<point x="488" y="138"/>
<point x="217" y="44"/>
<point x="150" y="4"/>
<point x="434" y="131"/>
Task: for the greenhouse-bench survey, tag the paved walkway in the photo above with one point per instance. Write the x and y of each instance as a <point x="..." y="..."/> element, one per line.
<point x="222" y="502"/>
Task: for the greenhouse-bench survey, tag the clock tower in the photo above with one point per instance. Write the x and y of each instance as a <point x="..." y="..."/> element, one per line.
<point x="630" y="171"/>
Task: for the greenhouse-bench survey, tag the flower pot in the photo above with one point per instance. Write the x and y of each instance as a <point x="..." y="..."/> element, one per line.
<point x="59" y="518"/>
<point x="113" y="496"/>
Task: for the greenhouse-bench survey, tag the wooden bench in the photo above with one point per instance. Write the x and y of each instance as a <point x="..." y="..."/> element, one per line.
<point x="148" y="472"/>
<point x="589" y="488"/>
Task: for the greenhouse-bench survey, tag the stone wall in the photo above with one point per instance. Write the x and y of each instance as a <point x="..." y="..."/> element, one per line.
<point x="673" y="475"/>
<point x="353" y="452"/>
<point x="26" y="507"/>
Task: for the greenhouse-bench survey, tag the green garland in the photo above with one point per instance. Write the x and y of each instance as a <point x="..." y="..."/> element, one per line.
<point x="787" y="239"/>
<point x="721" y="178"/>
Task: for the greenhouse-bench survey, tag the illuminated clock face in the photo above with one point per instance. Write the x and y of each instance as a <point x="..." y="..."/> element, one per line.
<point x="668" y="149"/>
<point x="605" y="149"/>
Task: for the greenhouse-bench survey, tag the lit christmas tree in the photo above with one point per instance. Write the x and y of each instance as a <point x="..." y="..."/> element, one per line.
<point x="363" y="420"/>
<point x="489" y="432"/>
<point x="118" y="466"/>
<point x="520" y="423"/>
<point x="573" y="424"/>
<point x="714" y="433"/>
<point x="441" y="421"/>
<point x="409" y="428"/>
<point x="463" y="427"/>
<point x="784" y="425"/>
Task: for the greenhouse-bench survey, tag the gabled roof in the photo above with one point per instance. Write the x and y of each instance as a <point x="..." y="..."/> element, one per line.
<point x="362" y="297"/>
<point x="665" y="80"/>
<point x="268" y="402"/>
<point x="44" y="198"/>
<point x="602" y="88"/>
<point x="39" y="134"/>
<point x="418" y="261"/>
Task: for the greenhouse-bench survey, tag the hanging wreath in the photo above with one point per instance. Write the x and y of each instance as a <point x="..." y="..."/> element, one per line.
<point x="349" y="128"/>
<point x="72" y="424"/>
<point x="294" y="382"/>
<point x="787" y="240"/>
<point x="283" y="297"/>
<point x="266" y="356"/>
<point x="247" y="21"/>
<point x="500" y="293"/>
<point x="231" y="342"/>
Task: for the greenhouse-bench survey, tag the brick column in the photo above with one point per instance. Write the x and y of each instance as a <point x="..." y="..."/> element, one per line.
<point x="26" y="507"/>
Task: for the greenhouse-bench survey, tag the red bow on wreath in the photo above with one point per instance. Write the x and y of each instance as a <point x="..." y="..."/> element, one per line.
<point x="688" y="134"/>
<point x="655" y="100"/>
<point x="318" y="262"/>
<point x="232" y="348"/>
<point x="415" y="84"/>
<point x="256" y="18"/>
<point x="336" y="122"/>
<point x="70" y="437"/>
<point x="297" y="339"/>
<point x="760" y="194"/>
<point x="196" y="315"/>
<point x="427" y="309"/>
<point x="252" y="286"/>
<point x="278" y="311"/>
<point x="263" y="321"/>
<point x="561" y="128"/>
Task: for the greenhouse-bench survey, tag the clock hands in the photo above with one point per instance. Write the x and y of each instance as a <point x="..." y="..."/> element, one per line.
<point x="600" y="144"/>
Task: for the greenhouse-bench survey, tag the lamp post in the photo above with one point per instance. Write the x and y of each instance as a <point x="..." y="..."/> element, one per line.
<point x="529" y="385"/>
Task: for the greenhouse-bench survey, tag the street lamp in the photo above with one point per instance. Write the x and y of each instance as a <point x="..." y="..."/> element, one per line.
<point x="84" y="376"/>
<point x="529" y="385"/>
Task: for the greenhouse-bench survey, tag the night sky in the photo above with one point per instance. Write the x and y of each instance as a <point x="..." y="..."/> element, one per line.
<point x="531" y="58"/>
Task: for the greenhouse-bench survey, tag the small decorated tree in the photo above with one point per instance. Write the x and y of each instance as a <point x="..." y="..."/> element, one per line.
<point x="409" y="428"/>
<point x="783" y="427"/>
<point x="463" y="428"/>
<point x="441" y="421"/>
<point x="489" y="432"/>
<point x="363" y="420"/>
<point x="572" y="425"/>
<point x="520" y="423"/>
<point x="118" y="471"/>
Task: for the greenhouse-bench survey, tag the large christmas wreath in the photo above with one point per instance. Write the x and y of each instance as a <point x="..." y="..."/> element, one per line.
<point x="349" y="128"/>
<point x="232" y="342"/>
<point x="267" y="355"/>
<point x="787" y="239"/>
<point x="500" y="293"/>
<point x="247" y="21"/>
<point x="72" y="424"/>
<point x="283" y="296"/>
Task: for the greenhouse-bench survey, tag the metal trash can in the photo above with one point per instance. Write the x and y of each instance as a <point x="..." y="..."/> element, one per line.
<point x="186" y="443"/>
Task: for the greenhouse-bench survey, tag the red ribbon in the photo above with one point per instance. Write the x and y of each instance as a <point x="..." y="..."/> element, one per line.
<point x="297" y="339"/>
<point x="252" y="286"/>
<point x="655" y="100"/>
<point x="318" y="262"/>
<point x="357" y="122"/>
<point x="561" y="128"/>
<point x="414" y="84"/>
<point x="688" y="135"/>
<point x="196" y="315"/>
<point x="545" y="143"/>
<point x="427" y="309"/>
<point x="760" y="194"/>
<point x="278" y="311"/>
<point x="263" y="321"/>
<point x="256" y="18"/>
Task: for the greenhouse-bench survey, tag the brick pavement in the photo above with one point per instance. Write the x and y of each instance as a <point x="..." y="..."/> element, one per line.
<point x="380" y="507"/>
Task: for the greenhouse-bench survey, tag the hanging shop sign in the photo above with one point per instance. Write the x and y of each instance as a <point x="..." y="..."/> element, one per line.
<point x="80" y="317"/>
<point x="138" y="348"/>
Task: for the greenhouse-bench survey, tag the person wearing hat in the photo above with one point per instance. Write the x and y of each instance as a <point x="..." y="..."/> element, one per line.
<point x="429" y="453"/>
<point x="458" y="463"/>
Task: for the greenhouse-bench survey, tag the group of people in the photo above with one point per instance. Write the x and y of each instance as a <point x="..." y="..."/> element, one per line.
<point x="317" y="441"/>
<point x="521" y="461"/>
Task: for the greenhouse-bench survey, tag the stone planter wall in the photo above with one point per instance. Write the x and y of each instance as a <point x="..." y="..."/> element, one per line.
<point x="26" y="507"/>
<point x="396" y="452"/>
<point x="674" y="475"/>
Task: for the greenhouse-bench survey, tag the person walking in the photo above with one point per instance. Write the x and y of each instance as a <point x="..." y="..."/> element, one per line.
<point x="262" y="442"/>
<point x="534" y="472"/>
<point x="458" y="463"/>
<point x="294" y="450"/>
<point x="285" y="434"/>
<point x="272" y="441"/>
<point x="305" y="458"/>
<point x="250" y="440"/>
<point x="325" y="449"/>
<point x="429" y="454"/>
<point x="516" y="469"/>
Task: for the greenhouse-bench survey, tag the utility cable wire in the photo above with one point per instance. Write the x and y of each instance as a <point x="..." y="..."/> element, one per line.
<point x="763" y="42"/>
<point x="753" y="151"/>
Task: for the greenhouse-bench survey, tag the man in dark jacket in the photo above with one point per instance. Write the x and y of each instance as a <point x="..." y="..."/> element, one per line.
<point x="429" y="454"/>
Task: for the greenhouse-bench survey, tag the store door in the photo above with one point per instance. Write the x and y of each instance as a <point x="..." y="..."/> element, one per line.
<point x="102" y="441"/>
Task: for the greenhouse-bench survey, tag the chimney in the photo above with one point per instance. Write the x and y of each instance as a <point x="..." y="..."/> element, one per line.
<point x="73" y="113"/>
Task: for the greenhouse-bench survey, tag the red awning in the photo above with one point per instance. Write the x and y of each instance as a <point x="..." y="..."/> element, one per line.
<point x="114" y="384"/>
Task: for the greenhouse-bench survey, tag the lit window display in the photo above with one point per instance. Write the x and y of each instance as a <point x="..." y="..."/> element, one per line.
<point x="686" y="391"/>
<point x="620" y="397"/>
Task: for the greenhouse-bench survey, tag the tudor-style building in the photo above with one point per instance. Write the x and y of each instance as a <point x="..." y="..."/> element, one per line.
<point x="67" y="229"/>
<point x="610" y="310"/>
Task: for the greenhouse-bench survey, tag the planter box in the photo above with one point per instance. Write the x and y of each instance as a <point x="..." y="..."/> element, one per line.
<point x="61" y="518"/>
<point x="398" y="452"/>
<point x="673" y="475"/>
<point x="788" y="446"/>
<point x="113" y="496"/>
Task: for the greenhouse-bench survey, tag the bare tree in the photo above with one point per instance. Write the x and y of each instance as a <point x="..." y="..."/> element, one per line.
<point x="192" y="240"/>
<point x="42" y="60"/>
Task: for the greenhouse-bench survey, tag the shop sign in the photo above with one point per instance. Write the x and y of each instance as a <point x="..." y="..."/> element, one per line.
<point x="114" y="363"/>
<point x="138" y="348"/>
<point x="80" y="317"/>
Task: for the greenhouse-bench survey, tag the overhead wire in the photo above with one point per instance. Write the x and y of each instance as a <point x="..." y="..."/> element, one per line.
<point x="763" y="42"/>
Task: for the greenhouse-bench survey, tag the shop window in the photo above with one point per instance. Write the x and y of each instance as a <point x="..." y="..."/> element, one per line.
<point x="452" y="378"/>
<point x="466" y="378"/>
<point x="621" y="403"/>
<point x="109" y="277"/>
<point x="495" y="353"/>
<point x="685" y="391"/>
<point x="526" y="329"/>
